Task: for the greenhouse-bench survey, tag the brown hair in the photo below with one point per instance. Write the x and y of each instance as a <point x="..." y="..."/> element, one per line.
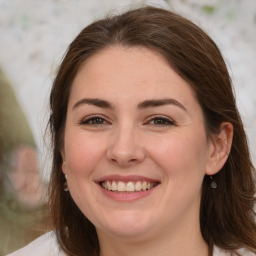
<point x="226" y="214"/>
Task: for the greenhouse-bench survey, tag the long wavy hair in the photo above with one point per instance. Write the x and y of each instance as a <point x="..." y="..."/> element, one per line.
<point x="226" y="213"/>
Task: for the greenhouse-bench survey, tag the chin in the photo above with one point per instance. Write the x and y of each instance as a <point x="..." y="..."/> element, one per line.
<point x="127" y="225"/>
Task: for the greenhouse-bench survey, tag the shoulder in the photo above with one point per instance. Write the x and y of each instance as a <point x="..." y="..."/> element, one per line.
<point x="45" y="245"/>
<point x="220" y="252"/>
<point x="245" y="252"/>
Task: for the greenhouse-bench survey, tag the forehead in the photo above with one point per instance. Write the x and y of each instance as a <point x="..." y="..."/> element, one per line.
<point x="134" y="73"/>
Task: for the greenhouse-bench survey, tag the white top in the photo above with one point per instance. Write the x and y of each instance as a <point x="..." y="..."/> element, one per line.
<point x="46" y="245"/>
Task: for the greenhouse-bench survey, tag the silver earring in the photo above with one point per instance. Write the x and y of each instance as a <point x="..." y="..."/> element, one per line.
<point x="65" y="186"/>
<point x="213" y="183"/>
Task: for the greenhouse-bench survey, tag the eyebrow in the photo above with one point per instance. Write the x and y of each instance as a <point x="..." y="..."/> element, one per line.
<point x="159" y="103"/>
<point x="142" y="105"/>
<point x="96" y="102"/>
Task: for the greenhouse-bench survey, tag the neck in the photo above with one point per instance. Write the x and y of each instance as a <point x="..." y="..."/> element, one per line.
<point x="179" y="240"/>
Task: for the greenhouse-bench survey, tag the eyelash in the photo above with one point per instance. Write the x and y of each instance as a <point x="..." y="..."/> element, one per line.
<point x="93" y="120"/>
<point x="98" y="120"/>
<point x="164" y="121"/>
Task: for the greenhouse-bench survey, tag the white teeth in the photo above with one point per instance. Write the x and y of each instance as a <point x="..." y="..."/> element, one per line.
<point x="130" y="186"/>
<point x="114" y="186"/>
<point x="120" y="186"/>
<point x="109" y="186"/>
<point x="138" y="186"/>
<point x="144" y="185"/>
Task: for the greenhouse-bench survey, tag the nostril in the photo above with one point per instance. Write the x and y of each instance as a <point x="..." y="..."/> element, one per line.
<point x="125" y="155"/>
<point x="123" y="161"/>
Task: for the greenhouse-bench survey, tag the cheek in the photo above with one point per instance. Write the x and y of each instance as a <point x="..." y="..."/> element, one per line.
<point x="82" y="157"/>
<point x="82" y="153"/>
<point x="182" y="155"/>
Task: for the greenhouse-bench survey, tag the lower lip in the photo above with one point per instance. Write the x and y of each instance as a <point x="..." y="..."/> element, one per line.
<point x="126" y="196"/>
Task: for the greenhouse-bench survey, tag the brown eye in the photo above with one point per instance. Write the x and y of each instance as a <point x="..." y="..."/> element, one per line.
<point x="94" y="121"/>
<point x="161" y="121"/>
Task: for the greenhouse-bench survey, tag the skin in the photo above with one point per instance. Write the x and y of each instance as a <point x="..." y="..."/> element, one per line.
<point x="124" y="136"/>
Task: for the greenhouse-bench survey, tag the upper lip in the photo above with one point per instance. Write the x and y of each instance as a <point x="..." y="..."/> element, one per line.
<point x="125" y="178"/>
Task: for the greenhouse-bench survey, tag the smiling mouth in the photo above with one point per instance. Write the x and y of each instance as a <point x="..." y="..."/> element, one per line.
<point x="130" y="186"/>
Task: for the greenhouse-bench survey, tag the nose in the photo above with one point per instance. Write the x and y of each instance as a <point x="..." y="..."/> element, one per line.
<point x="125" y="148"/>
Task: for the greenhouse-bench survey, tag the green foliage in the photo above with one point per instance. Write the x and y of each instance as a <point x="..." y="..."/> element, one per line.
<point x="209" y="9"/>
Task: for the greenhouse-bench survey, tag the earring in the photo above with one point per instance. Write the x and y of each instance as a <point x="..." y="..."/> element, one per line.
<point x="213" y="183"/>
<point x="65" y="186"/>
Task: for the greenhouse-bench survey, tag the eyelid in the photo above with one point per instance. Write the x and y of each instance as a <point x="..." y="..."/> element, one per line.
<point x="154" y="117"/>
<point x="85" y="120"/>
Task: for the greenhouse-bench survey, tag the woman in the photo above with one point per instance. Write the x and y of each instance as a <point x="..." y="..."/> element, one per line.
<point x="150" y="155"/>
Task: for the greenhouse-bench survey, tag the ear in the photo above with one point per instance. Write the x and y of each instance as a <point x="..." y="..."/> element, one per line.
<point x="220" y="148"/>
<point x="64" y="165"/>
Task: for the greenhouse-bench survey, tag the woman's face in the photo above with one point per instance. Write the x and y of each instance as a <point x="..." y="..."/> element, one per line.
<point x="136" y="149"/>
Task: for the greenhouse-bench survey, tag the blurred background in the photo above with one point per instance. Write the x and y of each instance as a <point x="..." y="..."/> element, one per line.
<point x="34" y="35"/>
